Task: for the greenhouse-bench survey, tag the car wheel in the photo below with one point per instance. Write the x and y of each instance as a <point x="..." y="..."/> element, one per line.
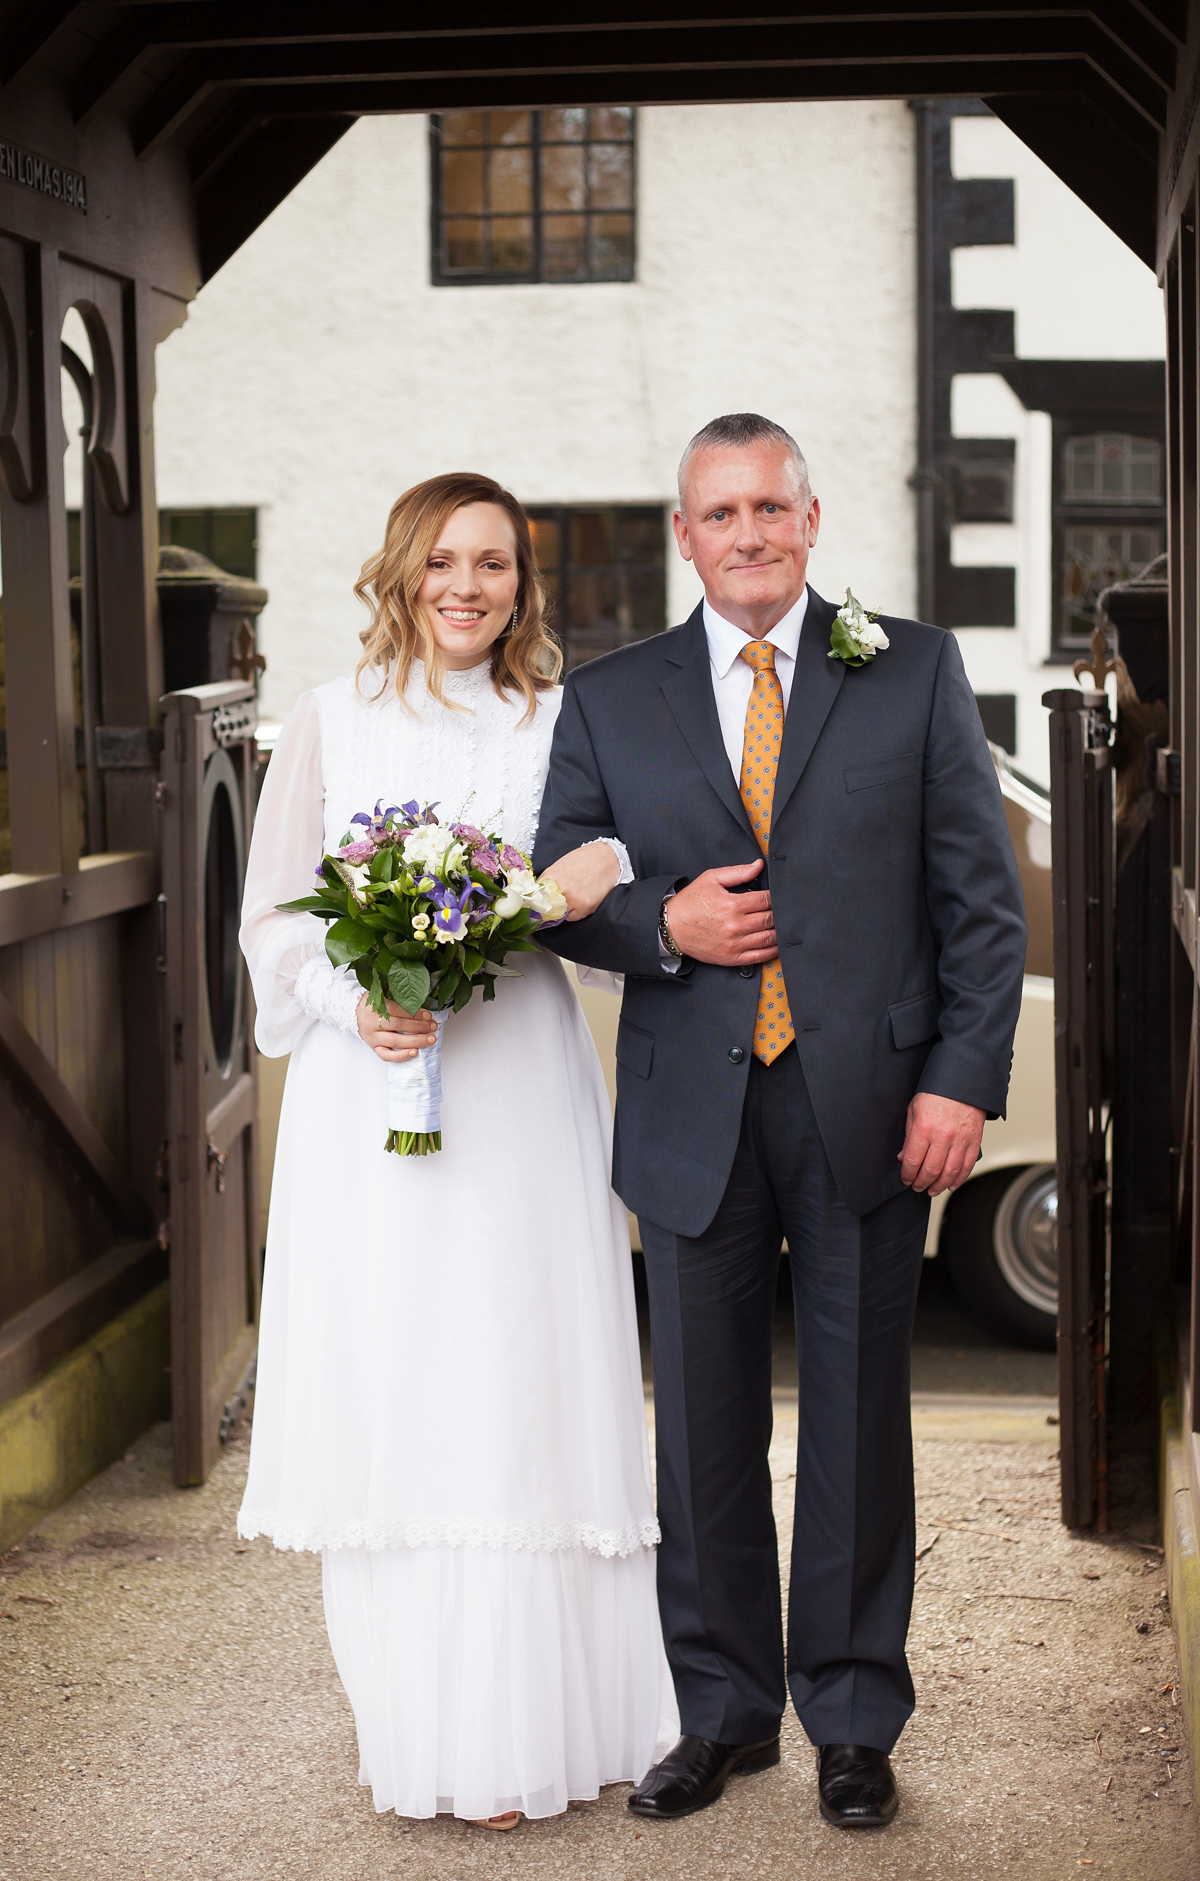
<point x="999" y="1240"/>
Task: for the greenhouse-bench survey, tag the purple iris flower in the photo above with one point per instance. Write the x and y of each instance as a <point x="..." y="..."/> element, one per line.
<point x="376" y="822"/>
<point x="451" y="913"/>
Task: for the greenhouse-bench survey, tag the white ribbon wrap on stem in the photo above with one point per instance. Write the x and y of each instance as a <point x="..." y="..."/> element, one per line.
<point x="414" y="1088"/>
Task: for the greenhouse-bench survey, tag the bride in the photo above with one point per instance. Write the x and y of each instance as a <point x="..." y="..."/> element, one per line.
<point x="449" y="1400"/>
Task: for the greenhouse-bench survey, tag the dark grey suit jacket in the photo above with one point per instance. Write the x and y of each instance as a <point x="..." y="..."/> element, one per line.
<point x="896" y="897"/>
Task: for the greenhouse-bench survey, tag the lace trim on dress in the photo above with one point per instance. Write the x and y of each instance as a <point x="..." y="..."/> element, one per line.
<point x="519" y="1537"/>
<point x="330" y="993"/>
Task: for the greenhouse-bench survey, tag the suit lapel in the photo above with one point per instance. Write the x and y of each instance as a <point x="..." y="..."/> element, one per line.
<point x="815" y="685"/>
<point x="689" y="694"/>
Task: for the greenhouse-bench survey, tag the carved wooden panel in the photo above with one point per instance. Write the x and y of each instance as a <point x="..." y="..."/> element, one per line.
<point x="100" y="300"/>
<point x="16" y="456"/>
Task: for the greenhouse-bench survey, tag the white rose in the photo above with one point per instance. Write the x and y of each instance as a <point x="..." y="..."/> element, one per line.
<point x="507" y="903"/>
<point x="870" y="634"/>
<point x="549" y="901"/>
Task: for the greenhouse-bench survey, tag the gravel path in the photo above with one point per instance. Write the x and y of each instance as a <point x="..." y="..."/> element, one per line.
<point x="171" y="1708"/>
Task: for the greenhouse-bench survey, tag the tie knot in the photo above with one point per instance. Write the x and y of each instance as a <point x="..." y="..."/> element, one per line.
<point x="759" y="654"/>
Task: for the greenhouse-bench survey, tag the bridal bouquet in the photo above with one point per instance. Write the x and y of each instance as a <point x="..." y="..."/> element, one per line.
<point x="425" y="912"/>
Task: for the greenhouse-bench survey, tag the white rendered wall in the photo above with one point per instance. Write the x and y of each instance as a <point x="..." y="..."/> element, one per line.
<point x="1077" y="293"/>
<point x="320" y="373"/>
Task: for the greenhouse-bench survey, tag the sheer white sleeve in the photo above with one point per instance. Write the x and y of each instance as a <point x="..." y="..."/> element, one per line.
<point x="621" y="853"/>
<point x="294" y="980"/>
<point x="603" y="981"/>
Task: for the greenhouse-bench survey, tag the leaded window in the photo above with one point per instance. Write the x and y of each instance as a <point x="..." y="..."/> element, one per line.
<point x="1109" y="522"/>
<point x="605" y="569"/>
<point x="533" y="195"/>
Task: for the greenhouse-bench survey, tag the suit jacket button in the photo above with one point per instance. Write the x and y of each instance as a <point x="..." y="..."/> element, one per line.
<point x="747" y="973"/>
<point x="736" y="1054"/>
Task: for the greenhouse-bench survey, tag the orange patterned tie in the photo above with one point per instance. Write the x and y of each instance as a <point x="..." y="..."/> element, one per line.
<point x="762" y="739"/>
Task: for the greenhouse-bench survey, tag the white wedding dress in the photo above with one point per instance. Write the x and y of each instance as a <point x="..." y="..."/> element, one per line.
<point x="449" y="1400"/>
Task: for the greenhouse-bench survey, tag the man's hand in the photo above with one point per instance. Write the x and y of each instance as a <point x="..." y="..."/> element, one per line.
<point x="708" y="923"/>
<point x="941" y="1143"/>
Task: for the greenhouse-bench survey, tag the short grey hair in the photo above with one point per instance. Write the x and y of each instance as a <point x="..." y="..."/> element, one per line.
<point x="735" y="432"/>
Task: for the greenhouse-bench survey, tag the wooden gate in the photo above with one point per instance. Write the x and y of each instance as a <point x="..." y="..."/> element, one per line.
<point x="1084" y="1026"/>
<point x="208" y="802"/>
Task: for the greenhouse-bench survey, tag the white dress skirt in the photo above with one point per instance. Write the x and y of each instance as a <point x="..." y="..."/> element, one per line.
<point x="449" y="1402"/>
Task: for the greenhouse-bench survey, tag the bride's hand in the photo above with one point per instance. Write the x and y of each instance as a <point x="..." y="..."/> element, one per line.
<point x="585" y="876"/>
<point x="398" y="1037"/>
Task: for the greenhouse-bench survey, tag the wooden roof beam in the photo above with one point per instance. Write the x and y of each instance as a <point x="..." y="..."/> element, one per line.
<point x="25" y="36"/>
<point x="216" y="25"/>
<point x="1168" y="16"/>
<point x="436" y="61"/>
<point x="748" y="83"/>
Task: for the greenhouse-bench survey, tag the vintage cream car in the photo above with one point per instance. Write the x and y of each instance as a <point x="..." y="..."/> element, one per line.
<point x="997" y="1234"/>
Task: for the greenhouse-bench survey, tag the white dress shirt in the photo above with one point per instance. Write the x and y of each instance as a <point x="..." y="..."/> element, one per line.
<point x="732" y="680"/>
<point x="733" y="677"/>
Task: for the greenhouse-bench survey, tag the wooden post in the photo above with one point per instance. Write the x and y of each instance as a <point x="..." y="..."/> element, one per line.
<point x="1082" y="850"/>
<point x="37" y="624"/>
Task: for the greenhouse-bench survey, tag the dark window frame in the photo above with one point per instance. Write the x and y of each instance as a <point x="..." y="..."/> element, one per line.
<point x="1066" y="514"/>
<point x="210" y="513"/>
<point x="441" y="277"/>
<point x="561" y="622"/>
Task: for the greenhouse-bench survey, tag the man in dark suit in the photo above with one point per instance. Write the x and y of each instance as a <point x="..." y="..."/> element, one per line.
<point x="823" y="946"/>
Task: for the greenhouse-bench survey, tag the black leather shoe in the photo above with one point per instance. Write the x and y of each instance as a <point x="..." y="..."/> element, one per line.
<point x="692" y="1776"/>
<point x="856" y="1785"/>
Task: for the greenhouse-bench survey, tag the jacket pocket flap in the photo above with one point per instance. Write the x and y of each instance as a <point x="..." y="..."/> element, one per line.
<point x="635" y="1049"/>
<point x="895" y="770"/>
<point x="915" y="1020"/>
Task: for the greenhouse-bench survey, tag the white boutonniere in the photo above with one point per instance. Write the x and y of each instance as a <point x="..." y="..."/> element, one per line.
<point x="855" y="638"/>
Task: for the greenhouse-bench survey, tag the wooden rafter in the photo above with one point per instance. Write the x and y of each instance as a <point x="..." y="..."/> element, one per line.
<point x="221" y="44"/>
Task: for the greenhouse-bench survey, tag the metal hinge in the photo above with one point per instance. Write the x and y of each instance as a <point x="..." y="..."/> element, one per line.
<point x="217" y="1158"/>
<point x="240" y="1402"/>
<point x="233" y="723"/>
<point x="1168" y="773"/>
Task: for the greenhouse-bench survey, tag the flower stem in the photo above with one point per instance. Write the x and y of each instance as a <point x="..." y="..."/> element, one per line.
<point x="414" y="1142"/>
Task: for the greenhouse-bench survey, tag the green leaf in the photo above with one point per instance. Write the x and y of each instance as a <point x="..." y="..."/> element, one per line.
<point x="347" y="940"/>
<point x="447" y="983"/>
<point x="308" y="904"/>
<point x="843" y="645"/>
<point x="462" y="996"/>
<point x="472" y="960"/>
<point x="409" y="985"/>
<point x="375" y="996"/>
<point x="489" y="987"/>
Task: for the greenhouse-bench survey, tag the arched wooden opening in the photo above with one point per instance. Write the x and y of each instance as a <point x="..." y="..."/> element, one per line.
<point x="140" y="144"/>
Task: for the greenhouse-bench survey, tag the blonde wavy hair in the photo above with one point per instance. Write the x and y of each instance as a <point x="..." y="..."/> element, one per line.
<point x="525" y="658"/>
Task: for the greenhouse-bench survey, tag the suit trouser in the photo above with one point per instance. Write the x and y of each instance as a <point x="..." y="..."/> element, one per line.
<point x="712" y="1299"/>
